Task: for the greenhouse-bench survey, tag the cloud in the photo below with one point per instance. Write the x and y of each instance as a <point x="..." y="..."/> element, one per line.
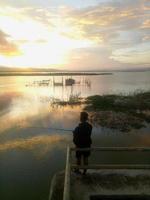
<point x="105" y="21"/>
<point x="109" y="26"/>
<point x="133" y="55"/>
<point x="7" y="47"/>
<point x="45" y="16"/>
<point x="116" y="26"/>
<point x="92" y="58"/>
<point x="146" y="24"/>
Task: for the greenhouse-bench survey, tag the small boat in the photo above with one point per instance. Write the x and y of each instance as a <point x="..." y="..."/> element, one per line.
<point x="69" y="81"/>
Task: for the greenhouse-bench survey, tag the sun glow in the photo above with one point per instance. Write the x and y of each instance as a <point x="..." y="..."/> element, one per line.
<point x="46" y="52"/>
<point x="72" y="35"/>
<point x="38" y="44"/>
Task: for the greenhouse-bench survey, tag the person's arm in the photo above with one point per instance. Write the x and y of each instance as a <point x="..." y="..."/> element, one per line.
<point x="90" y="132"/>
<point x="90" y="129"/>
<point x="75" y="132"/>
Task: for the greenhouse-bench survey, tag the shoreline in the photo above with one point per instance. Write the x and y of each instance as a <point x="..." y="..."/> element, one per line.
<point x="54" y="74"/>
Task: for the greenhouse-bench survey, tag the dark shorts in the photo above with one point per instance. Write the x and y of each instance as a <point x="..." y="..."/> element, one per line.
<point x="79" y="154"/>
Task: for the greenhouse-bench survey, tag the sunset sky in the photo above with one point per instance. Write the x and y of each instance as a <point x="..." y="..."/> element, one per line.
<point x="75" y="34"/>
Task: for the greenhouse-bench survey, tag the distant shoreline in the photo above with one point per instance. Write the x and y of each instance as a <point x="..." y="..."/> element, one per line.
<point x="53" y="74"/>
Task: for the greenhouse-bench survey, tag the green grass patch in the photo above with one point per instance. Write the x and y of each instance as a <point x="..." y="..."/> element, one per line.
<point x="123" y="112"/>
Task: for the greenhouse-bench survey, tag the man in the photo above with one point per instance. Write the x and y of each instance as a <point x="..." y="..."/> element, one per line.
<point x="82" y="139"/>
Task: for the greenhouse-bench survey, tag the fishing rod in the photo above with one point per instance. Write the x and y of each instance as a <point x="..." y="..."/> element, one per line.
<point x="50" y="128"/>
<point x="61" y="129"/>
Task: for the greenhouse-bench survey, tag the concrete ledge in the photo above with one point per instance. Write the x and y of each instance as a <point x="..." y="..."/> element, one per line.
<point x="103" y="182"/>
<point x="120" y="197"/>
<point x="57" y="186"/>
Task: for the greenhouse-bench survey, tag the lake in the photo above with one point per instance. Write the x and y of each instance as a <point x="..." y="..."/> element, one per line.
<point x="31" y="155"/>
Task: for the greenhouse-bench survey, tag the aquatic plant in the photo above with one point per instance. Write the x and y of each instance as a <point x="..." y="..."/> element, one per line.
<point x="122" y="112"/>
<point x="73" y="99"/>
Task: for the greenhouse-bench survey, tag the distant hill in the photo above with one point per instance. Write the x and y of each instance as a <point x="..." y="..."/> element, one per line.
<point x="17" y="69"/>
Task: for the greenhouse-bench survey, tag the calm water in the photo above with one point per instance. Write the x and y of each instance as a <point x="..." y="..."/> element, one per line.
<point x="29" y="157"/>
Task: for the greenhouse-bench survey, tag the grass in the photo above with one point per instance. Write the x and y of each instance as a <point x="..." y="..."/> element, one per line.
<point x="125" y="103"/>
<point x="123" y="112"/>
<point x="72" y="100"/>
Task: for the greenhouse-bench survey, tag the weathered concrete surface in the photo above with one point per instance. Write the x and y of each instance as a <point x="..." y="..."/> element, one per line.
<point x="103" y="182"/>
<point x="110" y="182"/>
<point x="57" y="186"/>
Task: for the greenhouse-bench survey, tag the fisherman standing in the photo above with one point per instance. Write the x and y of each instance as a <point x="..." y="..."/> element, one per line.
<point x="82" y="139"/>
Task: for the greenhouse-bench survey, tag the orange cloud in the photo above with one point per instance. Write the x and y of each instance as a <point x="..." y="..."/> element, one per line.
<point x="146" y="24"/>
<point x="7" y="47"/>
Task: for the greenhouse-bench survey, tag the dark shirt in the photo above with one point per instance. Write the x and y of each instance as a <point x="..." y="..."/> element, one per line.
<point x="82" y="135"/>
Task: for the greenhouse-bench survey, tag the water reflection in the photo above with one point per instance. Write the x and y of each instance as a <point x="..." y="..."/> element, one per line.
<point x="43" y="143"/>
<point x="6" y="100"/>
